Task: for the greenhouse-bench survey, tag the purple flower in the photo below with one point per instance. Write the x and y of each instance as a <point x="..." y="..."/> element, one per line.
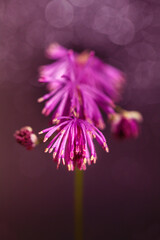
<point x="26" y="137"/>
<point x="81" y="83"/>
<point x="125" y="124"/>
<point x="73" y="144"/>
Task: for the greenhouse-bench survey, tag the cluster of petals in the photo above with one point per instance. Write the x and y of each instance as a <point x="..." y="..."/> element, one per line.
<point x="79" y="82"/>
<point x="125" y="124"/>
<point x="71" y="142"/>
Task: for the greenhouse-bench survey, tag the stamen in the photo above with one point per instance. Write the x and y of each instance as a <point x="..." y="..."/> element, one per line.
<point x="92" y="158"/>
<point x="45" y="139"/>
<point x="41" y="99"/>
<point x="63" y="161"/>
<point x="54" y="155"/>
<point x="69" y="168"/>
<point x="54" y="120"/>
<point x="63" y="131"/>
<point x="107" y="149"/>
<point x="46" y="150"/>
<point x="50" y="150"/>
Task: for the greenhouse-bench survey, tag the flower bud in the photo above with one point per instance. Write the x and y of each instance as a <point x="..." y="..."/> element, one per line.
<point x="125" y="124"/>
<point x="26" y="137"/>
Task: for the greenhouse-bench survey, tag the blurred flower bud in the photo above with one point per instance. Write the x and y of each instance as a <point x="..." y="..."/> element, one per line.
<point x="26" y="137"/>
<point x="125" y="124"/>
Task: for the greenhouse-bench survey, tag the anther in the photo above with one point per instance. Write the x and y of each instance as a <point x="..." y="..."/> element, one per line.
<point x="46" y="150"/>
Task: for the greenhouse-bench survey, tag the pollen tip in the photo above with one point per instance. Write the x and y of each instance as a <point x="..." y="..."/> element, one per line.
<point x="45" y="139"/>
<point x="46" y="150"/>
<point x="63" y="161"/>
<point x="54" y="120"/>
<point x="104" y="144"/>
<point x="50" y="150"/>
<point x="92" y="158"/>
<point x="74" y="113"/>
<point x="69" y="169"/>
<point x="107" y="149"/>
<point x="40" y="99"/>
<point x="40" y="132"/>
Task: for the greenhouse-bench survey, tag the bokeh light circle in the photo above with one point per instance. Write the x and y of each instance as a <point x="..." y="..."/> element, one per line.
<point x="106" y="21"/>
<point x="138" y="12"/>
<point x="59" y="13"/>
<point x="125" y="34"/>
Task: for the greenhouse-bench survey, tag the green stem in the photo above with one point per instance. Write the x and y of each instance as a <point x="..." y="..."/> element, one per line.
<point x="78" y="211"/>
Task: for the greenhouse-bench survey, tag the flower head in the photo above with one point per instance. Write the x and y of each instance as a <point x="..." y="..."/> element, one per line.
<point x="26" y="137"/>
<point x="81" y="83"/>
<point x="73" y="144"/>
<point x="125" y="124"/>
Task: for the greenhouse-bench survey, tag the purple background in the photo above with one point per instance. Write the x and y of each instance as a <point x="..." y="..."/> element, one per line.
<point x="121" y="192"/>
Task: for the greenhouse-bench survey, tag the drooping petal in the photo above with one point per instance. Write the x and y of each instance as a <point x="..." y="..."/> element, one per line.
<point x="125" y="124"/>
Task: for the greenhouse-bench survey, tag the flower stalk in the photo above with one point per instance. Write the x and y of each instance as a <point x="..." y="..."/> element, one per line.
<point x="78" y="204"/>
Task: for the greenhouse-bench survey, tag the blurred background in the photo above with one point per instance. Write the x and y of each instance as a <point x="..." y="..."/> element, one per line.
<point x="121" y="192"/>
